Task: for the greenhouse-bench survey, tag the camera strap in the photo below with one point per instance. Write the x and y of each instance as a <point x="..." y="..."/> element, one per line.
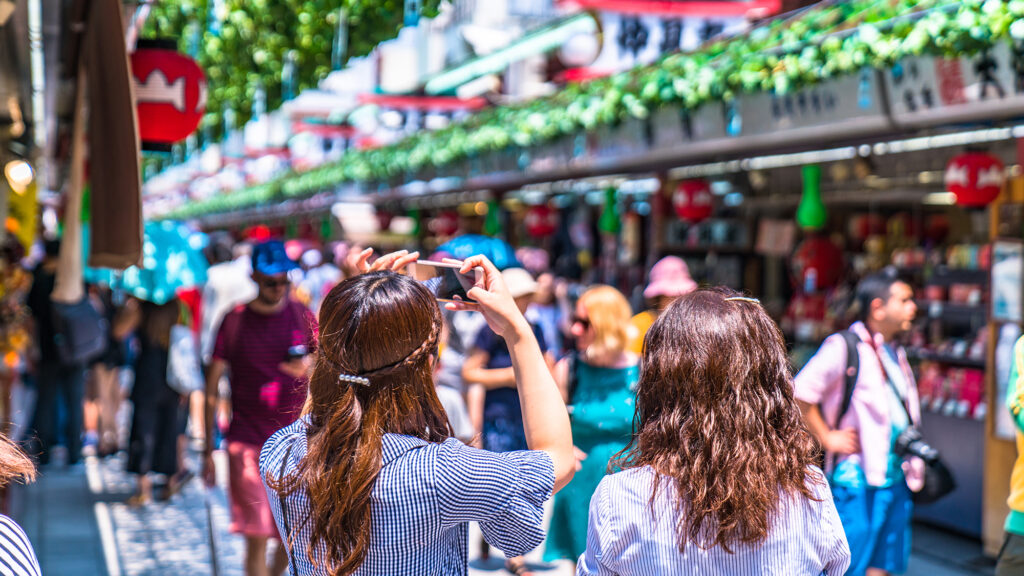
<point x="891" y="380"/>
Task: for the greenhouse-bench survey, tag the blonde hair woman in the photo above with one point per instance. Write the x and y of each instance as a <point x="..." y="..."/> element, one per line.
<point x="597" y="380"/>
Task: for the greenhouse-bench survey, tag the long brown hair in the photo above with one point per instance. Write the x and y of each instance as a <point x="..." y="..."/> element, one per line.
<point x="15" y="466"/>
<point x="385" y="327"/>
<point x="716" y="418"/>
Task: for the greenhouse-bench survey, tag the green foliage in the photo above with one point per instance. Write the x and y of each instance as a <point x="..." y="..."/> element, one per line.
<point x="254" y="37"/>
<point x="828" y="40"/>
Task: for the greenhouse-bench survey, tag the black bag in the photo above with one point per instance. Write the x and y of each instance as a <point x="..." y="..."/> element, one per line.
<point x="80" y="332"/>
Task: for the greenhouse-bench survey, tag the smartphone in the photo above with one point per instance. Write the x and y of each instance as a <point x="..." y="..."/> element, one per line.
<point x="449" y="282"/>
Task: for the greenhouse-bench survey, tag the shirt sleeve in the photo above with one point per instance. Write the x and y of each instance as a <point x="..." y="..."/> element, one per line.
<point x="599" y="557"/>
<point x="1015" y="387"/>
<point x="505" y="493"/>
<point x="823" y="373"/>
<point x="222" y="344"/>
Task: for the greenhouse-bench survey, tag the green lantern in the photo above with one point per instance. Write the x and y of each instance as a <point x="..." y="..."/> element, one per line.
<point x="292" y="229"/>
<point x="811" y="215"/>
<point x="611" y="221"/>
<point x="417" y="221"/>
<point x="325" y="229"/>
<point x="492" y="222"/>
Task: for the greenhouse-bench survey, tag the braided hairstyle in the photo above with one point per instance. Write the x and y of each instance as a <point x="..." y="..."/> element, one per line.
<point x="383" y="327"/>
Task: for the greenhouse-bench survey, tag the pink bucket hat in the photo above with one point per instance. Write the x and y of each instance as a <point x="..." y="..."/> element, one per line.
<point x="670" y="277"/>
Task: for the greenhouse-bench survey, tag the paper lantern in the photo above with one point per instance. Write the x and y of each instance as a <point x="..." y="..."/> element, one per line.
<point x="445" y="224"/>
<point x="817" y="264"/>
<point x="976" y="178"/>
<point x="170" y="94"/>
<point x="541" y="221"/>
<point x="692" y="201"/>
<point x="811" y="214"/>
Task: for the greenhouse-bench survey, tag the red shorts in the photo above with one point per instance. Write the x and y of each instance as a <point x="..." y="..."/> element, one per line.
<point x="250" y="508"/>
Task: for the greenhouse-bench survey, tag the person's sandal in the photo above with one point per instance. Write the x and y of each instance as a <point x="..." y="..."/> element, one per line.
<point x="517" y="566"/>
<point x="138" y="500"/>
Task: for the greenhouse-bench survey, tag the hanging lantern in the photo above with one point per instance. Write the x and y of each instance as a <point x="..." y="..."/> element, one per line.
<point x="170" y="93"/>
<point x="445" y="224"/>
<point x="611" y="221"/>
<point x="810" y="214"/>
<point x="692" y="201"/>
<point x="541" y="221"/>
<point x="976" y="178"/>
<point x="492" y="221"/>
<point x="817" y="264"/>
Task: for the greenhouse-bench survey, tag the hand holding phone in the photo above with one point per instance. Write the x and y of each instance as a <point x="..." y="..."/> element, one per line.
<point x="491" y="297"/>
<point x="451" y="284"/>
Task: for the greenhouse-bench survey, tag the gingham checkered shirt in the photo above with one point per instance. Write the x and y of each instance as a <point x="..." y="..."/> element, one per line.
<point x="424" y="498"/>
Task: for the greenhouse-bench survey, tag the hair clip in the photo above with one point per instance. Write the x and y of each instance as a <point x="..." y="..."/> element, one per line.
<point x="743" y="299"/>
<point x="349" y="378"/>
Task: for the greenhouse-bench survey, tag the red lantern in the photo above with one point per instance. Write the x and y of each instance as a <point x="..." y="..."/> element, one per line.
<point x="817" y="264"/>
<point x="975" y="177"/>
<point x="693" y="201"/>
<point x="541" y="221"/>
<point x="445" y="224"/>
<point x="170" y="94"/>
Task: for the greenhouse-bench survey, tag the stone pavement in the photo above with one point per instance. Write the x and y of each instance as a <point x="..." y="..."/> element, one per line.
<point x="79" y="524"/>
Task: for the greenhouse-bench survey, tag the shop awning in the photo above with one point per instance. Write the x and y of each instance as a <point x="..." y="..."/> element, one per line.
<point x="825" y="73"/>
<point x="424" y="103"/>
<point x="539" y="41"/>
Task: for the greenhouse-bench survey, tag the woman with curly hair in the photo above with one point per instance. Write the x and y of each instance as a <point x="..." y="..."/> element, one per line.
<point x="370" y="481"/>
<point x="720" y="475"/>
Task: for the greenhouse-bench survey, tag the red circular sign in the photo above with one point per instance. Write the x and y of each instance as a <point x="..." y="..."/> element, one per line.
<point x="693" y="201"/>
<point x="975" y="177"/>
<point x="170" y="94"/>
<point x="541" y="221"/>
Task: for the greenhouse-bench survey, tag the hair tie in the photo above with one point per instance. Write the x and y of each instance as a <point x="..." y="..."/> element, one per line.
<point x="352" y="379"/>
<point x="743" y="299"/>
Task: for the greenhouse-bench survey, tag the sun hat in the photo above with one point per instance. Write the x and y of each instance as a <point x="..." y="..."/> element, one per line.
<point x="669" y="277"/>
<point x="270" y="258"/>
<point x="519" y="282"/>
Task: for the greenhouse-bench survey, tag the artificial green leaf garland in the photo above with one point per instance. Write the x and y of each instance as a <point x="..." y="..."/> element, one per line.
<point x="828" y="40"/>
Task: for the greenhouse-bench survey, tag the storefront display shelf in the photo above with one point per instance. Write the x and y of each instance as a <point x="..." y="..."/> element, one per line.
<point x="948" y="359"/>
<point x="960" y="441"/>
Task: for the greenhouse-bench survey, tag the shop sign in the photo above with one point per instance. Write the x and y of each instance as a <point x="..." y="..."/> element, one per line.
<point x="170" y="94"/>
<point x="848" y="102"/>
<point x="925" y="90"/>
<point x="674" y="126"/>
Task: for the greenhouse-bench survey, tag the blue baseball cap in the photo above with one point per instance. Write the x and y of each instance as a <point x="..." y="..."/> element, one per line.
<point x="270" y="259"/>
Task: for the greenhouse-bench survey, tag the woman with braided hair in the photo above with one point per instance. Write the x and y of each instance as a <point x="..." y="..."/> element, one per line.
<point x="369" y="481"/>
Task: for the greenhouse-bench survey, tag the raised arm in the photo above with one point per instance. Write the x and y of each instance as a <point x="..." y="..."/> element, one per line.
<point x="545" y="419"/>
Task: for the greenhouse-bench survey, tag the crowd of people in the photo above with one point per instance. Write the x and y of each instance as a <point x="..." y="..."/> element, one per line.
<point x="366" y="424"/>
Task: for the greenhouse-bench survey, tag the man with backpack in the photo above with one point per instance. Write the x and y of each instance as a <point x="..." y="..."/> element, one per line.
<point x="858" y="395"/>
<point x="267" y="348"/>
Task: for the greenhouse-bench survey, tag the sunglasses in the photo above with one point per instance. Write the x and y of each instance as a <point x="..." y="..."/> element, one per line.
<point x="274" y="282"/>
<point x="584" y="322"/>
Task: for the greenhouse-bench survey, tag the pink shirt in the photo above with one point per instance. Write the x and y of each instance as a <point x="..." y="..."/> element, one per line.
<point x="821" y="382"/>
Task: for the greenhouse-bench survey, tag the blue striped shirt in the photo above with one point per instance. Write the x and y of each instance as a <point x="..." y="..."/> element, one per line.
<point x="17" y="558"/>
<point x="623" y="538"/>
<point x="423" y="500"/>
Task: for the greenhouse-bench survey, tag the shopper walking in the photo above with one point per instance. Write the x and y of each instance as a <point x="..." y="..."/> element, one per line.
<point x="1011" y="556"/>
<point x="267" y="346"/>
<point x="669" y="279"/>
<point x="159" y="412"/>
<point x="598" y="381"/>
<point x="719" y="477"/>
<point x="370" y="481"/>
<point x="60" y="385"/>
<point x="871" y="481"/>
<point x="103" y="386"/>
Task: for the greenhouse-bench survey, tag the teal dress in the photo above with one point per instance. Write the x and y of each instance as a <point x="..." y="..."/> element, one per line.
<point x="602" y="421"/>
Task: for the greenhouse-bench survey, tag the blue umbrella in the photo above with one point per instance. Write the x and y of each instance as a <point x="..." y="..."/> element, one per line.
<point x="172" y="259"/>
<point x="496" y="250"/>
